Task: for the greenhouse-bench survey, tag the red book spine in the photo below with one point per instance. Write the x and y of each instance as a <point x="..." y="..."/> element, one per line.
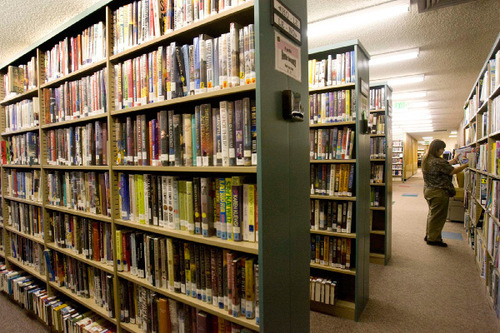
<point x="95" y="240"/>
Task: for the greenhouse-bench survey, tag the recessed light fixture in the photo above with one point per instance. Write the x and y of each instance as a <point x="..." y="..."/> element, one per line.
<point x="409" y="95"/>
<point x="453" y="132"/>
<point x="453" y="136"/>
<point x="386" y="58"/>
<point x="427" y="137"/>
<point x="358" y="18"/>
<point x="402" y="80"/>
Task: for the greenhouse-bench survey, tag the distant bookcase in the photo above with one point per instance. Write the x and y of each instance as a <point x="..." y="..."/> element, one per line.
<point x="381" y="173"/>
<point x="340" y="235"/>
<point x="398" y="158"/>
<point x="481" y="142"/>
<point x="279" y="244"/>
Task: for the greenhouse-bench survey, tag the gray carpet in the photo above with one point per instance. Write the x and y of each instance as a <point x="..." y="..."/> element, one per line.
<point x="424" y="288"/>
<point x="15" y="319"/>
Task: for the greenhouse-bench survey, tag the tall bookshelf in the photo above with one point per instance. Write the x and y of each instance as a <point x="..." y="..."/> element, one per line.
<point x="398" y="158"/>
<point x="481" y="140"/>
<point x="381" y="180"/>
<point x="351" y="289"/>
<point x="282" y="250"/>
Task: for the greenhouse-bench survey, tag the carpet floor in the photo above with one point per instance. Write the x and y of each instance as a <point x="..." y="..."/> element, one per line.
<point x="423" y="288"/>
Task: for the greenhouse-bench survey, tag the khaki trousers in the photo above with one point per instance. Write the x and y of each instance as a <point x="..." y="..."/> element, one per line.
<point x="438" y="201"/>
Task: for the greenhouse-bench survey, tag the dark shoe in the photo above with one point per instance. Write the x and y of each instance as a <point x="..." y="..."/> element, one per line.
<point x="439" y="243"/>
<point x="425" y="238"/>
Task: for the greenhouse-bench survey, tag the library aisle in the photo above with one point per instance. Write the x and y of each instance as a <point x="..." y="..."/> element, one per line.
<point x="423" y="288"/>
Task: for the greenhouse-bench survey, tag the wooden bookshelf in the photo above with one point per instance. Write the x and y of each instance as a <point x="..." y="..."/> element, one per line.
<point x="29" y="202"/>
<point x="22" y="234"/>
<point x="481" y="130"/>
<point x="352" y="283"/>
<point x="26" y="268"/>
<point x="282" y="146"/>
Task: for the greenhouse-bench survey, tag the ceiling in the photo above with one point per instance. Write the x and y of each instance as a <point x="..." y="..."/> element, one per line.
<point x="454" y="42"/>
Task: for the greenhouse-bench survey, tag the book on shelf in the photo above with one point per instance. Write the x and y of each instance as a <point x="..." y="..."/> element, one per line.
<point x="331" y="143"/>
<point x="333" y="106"/>
<point x="332" y="180"/>
<point x="23" y="184"/>
<point x="21" y="149"/>
<point x="493" y="198"/>
<point x="494" y="158"/>
<point x="92" y="239"/>
<point x="27" y="252"/>
<point x="332" y="216"/>
<point x="20" y="79"/>
<point x="482" y="158"/>
<point x="219" y="277"/>
<point x="322" y="290"/>
<point x="376" y="123"/>
<point x="221" y="207"/>
<point x="76" y="99"/>
<point x="78" y="190"/>
<point x="377" y="98"/>
<point x="332" y="251"/>
<point x="79" y="145"/>
<point x="377" y="174"/>
<point x="22" y="115"/>
<point x="26" y="218"/>
<point x="377" y="148"/>
<point x="74" y="53"/>
<point x="224" y="136"/>
<point x="336" y="69"/>
<point x="377" y="197"/>
<point x="83" y="280"/>
<point x="155" y="313"/>
<point x="174" y="71"/>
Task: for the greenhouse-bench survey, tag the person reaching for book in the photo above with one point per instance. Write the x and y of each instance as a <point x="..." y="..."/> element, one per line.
<point x="438" y="188"/>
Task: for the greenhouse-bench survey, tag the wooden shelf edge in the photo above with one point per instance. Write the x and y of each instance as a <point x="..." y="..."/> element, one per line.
<point x="377" y="184"/>
<point x="21" y="131"/>
<point x="214" y="169"/>
<point x="338" y="123"/>
<point x="35" y="239"/>
<point x="96" y="217"/>
<point x="377" y="208"/>
<point x="343" y="309"/>
<point x="333" y="161"/>
<point x="80" y="257"/>
<point x="21" y="166"/>
<point x="245" y="247"/>
<point x="377" y="135"/>
<point x="334" y="233"/>
<point x="351" y="271"/>
<point x="25" y="201"/>
<point x="186" y="99"/>
<point x="377" y="110"/>
<point x="75" y="121"/>
<point x="248" y="323"/>
<point x="327" y="197"/>
<point x="76" y="167"/>
<point x="2" y="254"/>
<point x="76" y="74"/>
<point x="377" y="159"/>
<point x="495" y="93"/>
<point x="378" y="232"/>
<point x="334" y="87"/>
<point x="20" y="97"/>
<point x="86" y="302"/>
<point x="133" y="328"/>
<point x="26" y="268"/>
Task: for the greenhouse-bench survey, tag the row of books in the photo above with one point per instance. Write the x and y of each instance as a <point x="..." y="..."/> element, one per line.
<point x="485" y="129"/>
<point x="173" y="71"/>
<point x="495" y="115"/>
<point x="81" y="279"/>
<point x="20" y="79"/>
<point x="57" y="312"/>
<point x="78" y="190"/>
<point x="333" y="106"/>
<point x="143" y="20"/>
<point x="331" y="143"/>
<point x="377" y="98"/>
<point x="90" y="238"/>
<point x="156" y="313"/>
<point x="332" y="251"/>
<point x="493" y="202"/>
<point x="397" y="173"/>
<point x="23" y="184"/>
<point x="224" y="136"/>
<point x="334" y="179"/>
<point x="26" y="218"/>
<point x="482" y="158"/>
<point x="495" y="158"/>
<point x="334" y="70"/>
<point x="377" y="173"/>
<point x="21" y="149"/>
<point x="27" y="252"/>
<point x="377" y="147"/>
<point x="76" y="99"/>
<point x="331" y="216"/>
<point x="222" y="207"/>
<point x="493" y="243"/>
<point x="74" y="53"/>
<point x="377" y="197"/>
<point x="22" y="115"/>
<point x="490" y="80"/>
<point x="483" y="189"/>
<point x="225" y="279"/>
<point x="322" y="290"/>
<point x="79" y="145"/>
<point x="377" y="124"/>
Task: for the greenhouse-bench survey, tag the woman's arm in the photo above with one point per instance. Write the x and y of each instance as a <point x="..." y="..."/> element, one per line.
<point x="459" y="169"/>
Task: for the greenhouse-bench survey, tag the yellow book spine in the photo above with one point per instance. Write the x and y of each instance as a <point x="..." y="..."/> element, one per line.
<point x="229" y="208"/>
<point x="251" y="213"/>
<point x="187" y="266"/>
<point x="139" y="188"/>
<point x="170" y="260"/>
<point x="249" y="288"/>
<point x="189" y="207"/>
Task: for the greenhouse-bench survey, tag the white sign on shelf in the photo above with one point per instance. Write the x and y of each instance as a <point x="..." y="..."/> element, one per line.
<point x="287" y="57"/>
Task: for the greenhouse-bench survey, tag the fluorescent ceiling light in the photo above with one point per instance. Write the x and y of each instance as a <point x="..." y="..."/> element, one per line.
<point x="392" y="57"/>
<point x="358" y="18"/>
<point x="409" y="95"/>
<point x="453" y="132"/>
<point x="402" y="80"/>
<point x="427" y="137"/>
<point x="420" y="130"/>
<point x="453" y="136"/>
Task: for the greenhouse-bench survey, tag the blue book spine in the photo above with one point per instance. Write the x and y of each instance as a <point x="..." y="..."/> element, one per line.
<point x="185" y="55"/>
<point x="353" y="68"/>
<point x="124" y="193"/>
<point x="196" y="60"/>
<point x="194" y="137"/>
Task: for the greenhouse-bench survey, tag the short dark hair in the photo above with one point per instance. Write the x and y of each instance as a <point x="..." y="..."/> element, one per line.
<point x="432" y="152"/>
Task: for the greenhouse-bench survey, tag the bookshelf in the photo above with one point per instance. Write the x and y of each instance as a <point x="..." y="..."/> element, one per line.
<point x="350" y="273"/>
<point x="398" y="159"/>
<point x="381" y="180"/>
<point x="282" y="248"/>
<point x="481" y="144"/>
